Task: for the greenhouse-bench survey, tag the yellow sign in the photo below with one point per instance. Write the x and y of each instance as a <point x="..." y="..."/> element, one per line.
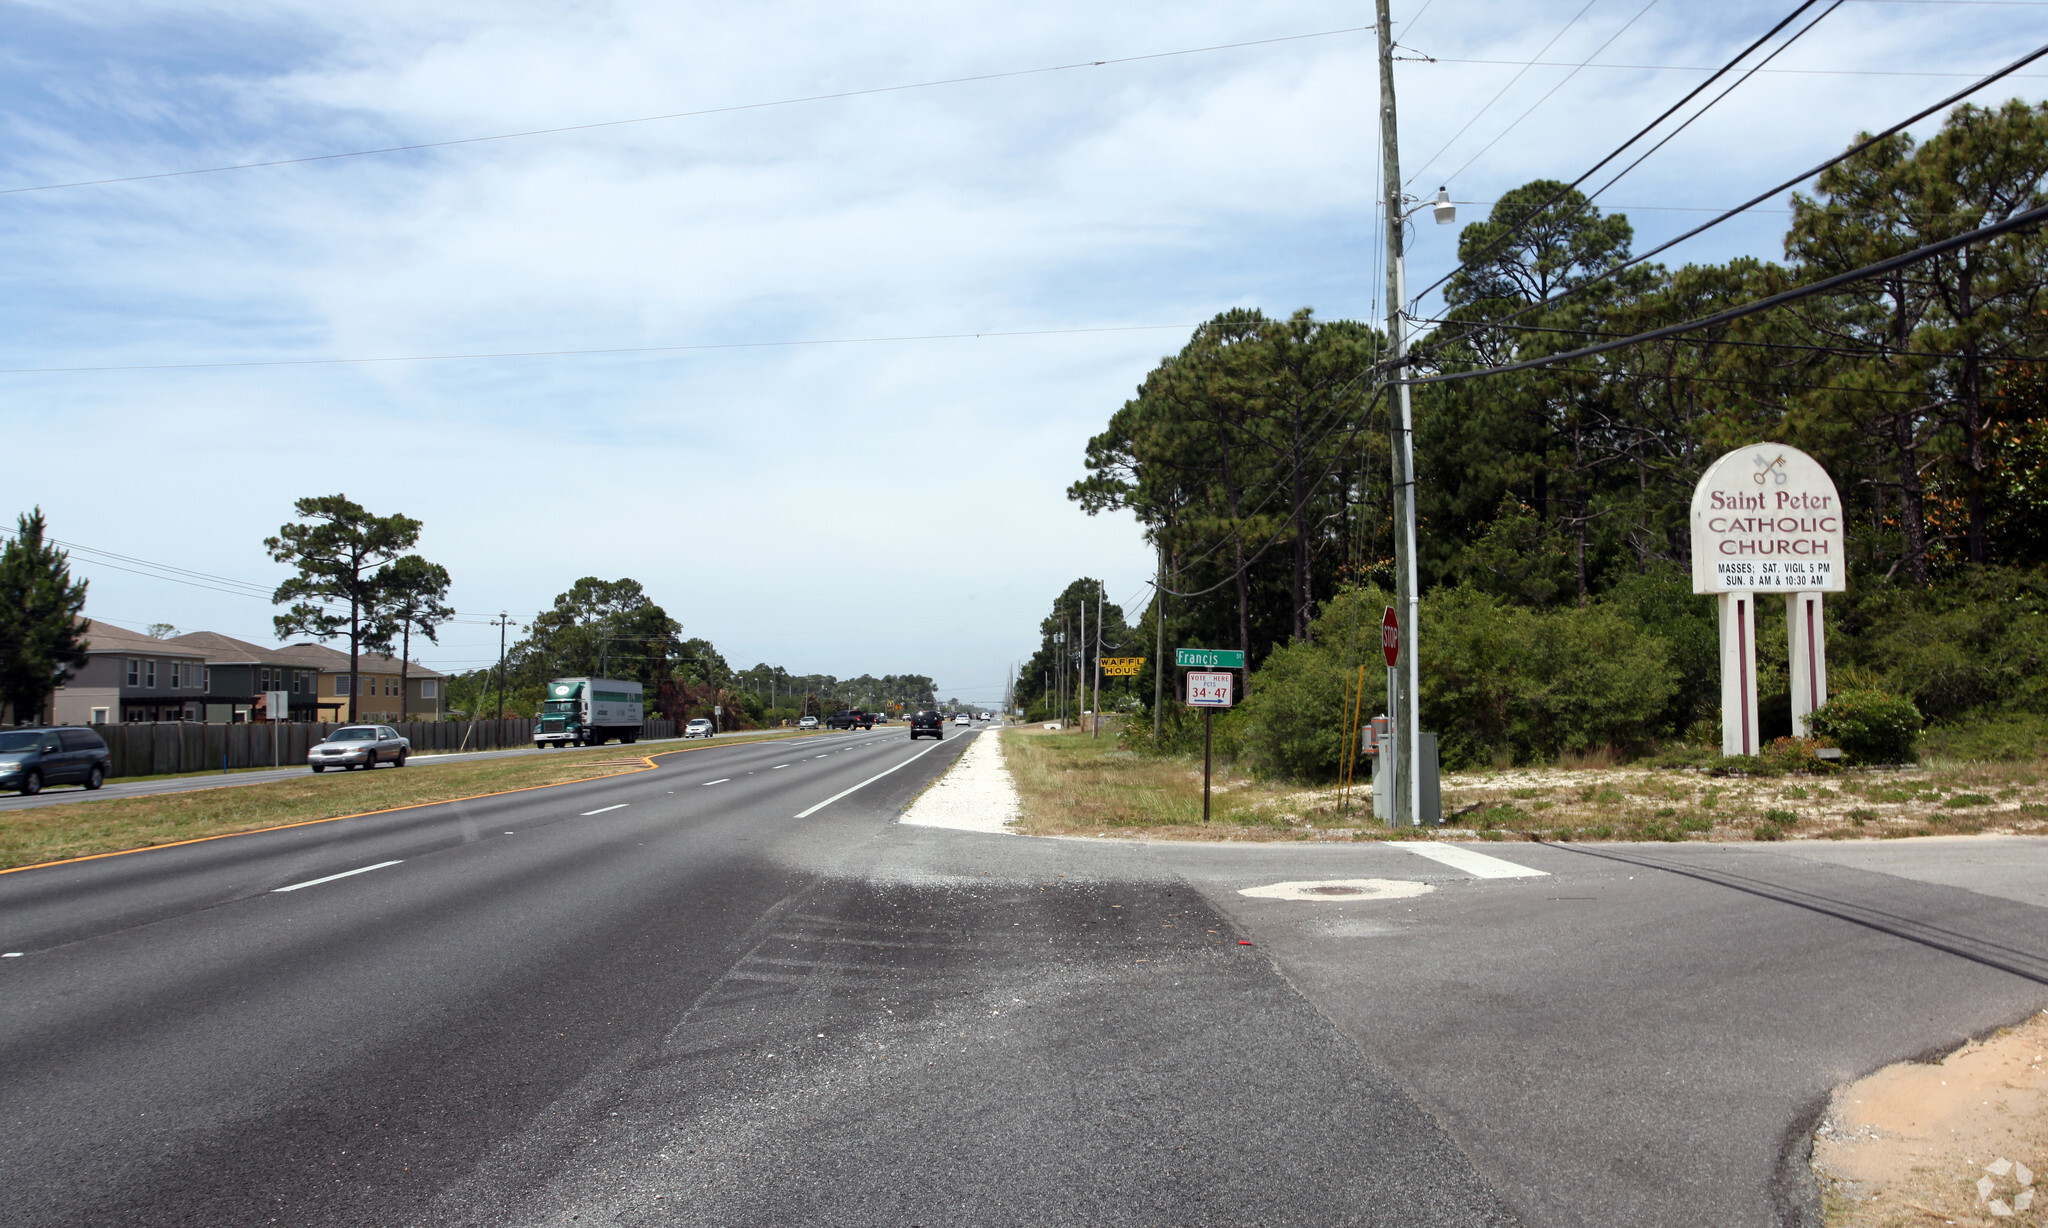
<point x="1121" y="667"/>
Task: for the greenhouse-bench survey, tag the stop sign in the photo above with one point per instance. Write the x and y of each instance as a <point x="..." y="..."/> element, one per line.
<point x="1390" y="637"/>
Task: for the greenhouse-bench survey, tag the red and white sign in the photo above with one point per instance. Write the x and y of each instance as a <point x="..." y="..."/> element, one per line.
<point x="1390" y="637"/>
<point x="1210" y="690"/>
<point x="1767" y="517"/>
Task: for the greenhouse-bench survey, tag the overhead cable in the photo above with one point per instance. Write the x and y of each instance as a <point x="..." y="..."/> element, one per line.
<point x="1787" y="185"/>
<point x="1564" y="81"/>
<point x="1622" y="148"/>
<point x="1526" y="66"/>
<point x="651" y="119"/>
<point x="2019" y="221"/>
<point x="638" y="349"/>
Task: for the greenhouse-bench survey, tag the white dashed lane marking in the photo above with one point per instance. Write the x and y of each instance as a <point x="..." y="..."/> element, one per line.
<point x="601" y="809"/>
<point x="315" y="882"/>
<point x="721" y="781"/>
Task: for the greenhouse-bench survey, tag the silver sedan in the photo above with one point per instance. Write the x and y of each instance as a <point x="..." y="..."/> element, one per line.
<point x="364" y="746"/>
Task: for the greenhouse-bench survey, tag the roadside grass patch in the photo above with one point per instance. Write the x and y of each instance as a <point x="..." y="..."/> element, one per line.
<point x="82" y="829"/>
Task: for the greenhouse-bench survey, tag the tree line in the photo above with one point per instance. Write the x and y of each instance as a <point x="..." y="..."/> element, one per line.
<point x="1554" y="498"/>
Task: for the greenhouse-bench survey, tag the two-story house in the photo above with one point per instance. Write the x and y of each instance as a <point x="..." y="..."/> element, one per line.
<point x="239" y="674"/>
<point x="378" y="675"/>
<point x="129" y="676"/>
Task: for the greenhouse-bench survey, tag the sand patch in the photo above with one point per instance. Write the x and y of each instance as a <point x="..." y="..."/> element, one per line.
<point x="1959" y="1141"/>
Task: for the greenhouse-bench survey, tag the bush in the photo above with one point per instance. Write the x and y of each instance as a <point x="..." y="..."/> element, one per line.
<point x="1797" y="754"/>
<point x="1869" y="726"/>
<point x="1974" y="643"/>
<point x="1535" y="683"/>
<point x="2021" y="737"/>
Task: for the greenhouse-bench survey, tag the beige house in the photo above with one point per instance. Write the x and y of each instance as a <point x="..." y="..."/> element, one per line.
<point x="426" y="689"/>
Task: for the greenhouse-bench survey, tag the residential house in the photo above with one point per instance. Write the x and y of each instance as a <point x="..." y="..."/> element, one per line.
<point x="426" y="689"/>
<point x="240" y="676"/>
<point x="130" y="676"/>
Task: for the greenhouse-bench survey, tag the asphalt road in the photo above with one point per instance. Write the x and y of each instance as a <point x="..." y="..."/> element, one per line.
<point x="698" y="996"/>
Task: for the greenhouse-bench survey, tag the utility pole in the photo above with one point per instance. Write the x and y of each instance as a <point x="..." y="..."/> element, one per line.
<point x="1159" y="652"/>
<point x="1081" y="658"/>
<point x="1095" y="730"/>
<point x="503" y="620"/>
<point x="1405" y="677"/>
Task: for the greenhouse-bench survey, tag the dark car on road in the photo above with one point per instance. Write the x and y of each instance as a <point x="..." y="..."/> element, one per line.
<point x="65" y="755"/>
<point x="927" y="722"/>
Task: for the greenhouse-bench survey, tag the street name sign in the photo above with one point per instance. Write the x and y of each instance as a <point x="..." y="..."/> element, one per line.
<point x="1208" y="658"/>
<point x="1121" y="667"/>
<point x="1390" y="637"/>
<point x="1209" y="690"/>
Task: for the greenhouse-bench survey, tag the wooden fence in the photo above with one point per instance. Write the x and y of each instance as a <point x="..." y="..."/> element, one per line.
<point x="142" y="748"/>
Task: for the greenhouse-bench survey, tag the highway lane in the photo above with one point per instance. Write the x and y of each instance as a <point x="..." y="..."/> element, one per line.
<point x="844" y="1025"/>
<point x="664" y="998"/>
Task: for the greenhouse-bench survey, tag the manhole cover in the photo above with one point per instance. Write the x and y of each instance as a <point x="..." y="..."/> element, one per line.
<point x="1340" y="889"/>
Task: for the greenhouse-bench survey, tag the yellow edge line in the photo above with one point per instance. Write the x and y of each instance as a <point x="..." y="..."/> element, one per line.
<point x="446" y="801"/>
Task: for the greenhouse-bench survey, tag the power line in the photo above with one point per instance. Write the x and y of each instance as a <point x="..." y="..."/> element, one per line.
<point x="1802" y="72"/>
<point x="1622" y="148"/>
<point x="1667" y="138"/>
<point x="616" y="350"/>
<point x="1553" y="90"/>
<point x="1608" y="273"/>
<point x="2020" y="221"/>
<point x="673" y="115"/>
<point x="1838" y="350"/>
<point x="1503" y="90"/>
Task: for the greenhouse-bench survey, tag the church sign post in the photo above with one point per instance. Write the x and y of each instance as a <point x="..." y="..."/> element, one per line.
<point x="1767" y="519"/>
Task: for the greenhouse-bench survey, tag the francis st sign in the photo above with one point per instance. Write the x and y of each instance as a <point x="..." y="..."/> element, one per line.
<point x="1208" y="658"/>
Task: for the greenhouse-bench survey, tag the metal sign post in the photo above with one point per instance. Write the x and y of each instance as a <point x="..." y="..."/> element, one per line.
<point x="1209" y="691"/>
<point x="277" y="706"/>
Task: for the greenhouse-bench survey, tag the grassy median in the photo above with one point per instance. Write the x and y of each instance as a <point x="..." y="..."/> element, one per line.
<point x="1072" y="784"/>
<point x="54" y="833"/>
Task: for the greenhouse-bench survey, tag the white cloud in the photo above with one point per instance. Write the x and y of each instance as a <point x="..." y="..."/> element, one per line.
<point x="881" y="507"/>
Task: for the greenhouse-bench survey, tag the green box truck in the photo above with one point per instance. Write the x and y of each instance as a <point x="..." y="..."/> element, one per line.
<point x="588" y="712"/>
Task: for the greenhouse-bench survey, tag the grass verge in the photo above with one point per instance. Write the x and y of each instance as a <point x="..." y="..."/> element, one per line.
<point x="57" y="833"/>
<point x="1071" y="784"/>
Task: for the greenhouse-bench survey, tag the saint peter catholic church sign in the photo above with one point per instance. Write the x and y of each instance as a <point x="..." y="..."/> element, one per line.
<point x="1767" y="518"/>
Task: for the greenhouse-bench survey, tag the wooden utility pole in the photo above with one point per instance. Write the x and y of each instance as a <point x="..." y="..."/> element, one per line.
<point x="1404" y="678"/>
<point x="1095" y="728"/>
<point x="1159" y="651"/>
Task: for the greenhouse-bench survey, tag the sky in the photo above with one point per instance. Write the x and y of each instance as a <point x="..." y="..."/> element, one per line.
<point x="858" y="343"/>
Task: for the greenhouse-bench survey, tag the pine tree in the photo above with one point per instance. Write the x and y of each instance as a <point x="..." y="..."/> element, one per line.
<point x="42" y="638"/>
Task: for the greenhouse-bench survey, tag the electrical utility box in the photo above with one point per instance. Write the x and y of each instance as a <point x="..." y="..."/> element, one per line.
<point x="1379" y="756"/>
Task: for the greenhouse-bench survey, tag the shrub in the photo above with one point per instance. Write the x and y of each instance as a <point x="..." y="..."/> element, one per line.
<point x="1977" y="642"/>
<point x="1532" y="684"/>
<point x="1797" y="754"/>
<point x="1783" y="818"/>
<point x="1869" y="726"/>
<point x="1739" y="765"/>
<point x="2019" y="736"/>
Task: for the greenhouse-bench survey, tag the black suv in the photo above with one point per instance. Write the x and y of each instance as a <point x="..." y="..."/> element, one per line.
<point x="34" y="757"/>
<point x="927" y="722"/>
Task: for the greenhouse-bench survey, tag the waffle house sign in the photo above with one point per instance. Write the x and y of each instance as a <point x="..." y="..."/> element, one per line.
<point x="1767" y="518"/>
